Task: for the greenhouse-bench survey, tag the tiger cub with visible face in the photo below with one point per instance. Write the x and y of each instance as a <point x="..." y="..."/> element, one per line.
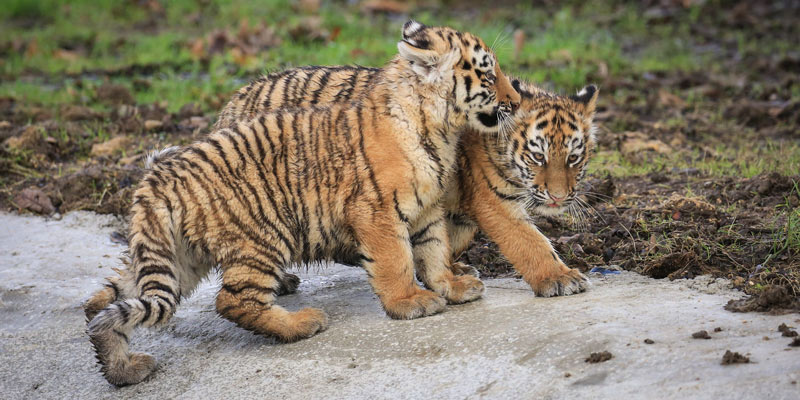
<point x="359" y="181"/>
<point x="535" y="166"/>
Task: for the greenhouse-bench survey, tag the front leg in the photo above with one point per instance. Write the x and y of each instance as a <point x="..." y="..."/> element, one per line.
<point x="507" y="224"/>
<point x="385" y="252"/>
<point x="433" y="262"/>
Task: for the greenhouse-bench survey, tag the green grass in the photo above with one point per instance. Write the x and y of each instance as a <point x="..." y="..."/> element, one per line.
<point x="789" y="238"/>
<point x="564" y="48"/>
<point x="560" y="51"/>
<point x="740" y="161"/>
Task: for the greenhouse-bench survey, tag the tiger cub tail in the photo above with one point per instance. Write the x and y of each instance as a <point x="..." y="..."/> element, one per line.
<point x="144" y="294"/>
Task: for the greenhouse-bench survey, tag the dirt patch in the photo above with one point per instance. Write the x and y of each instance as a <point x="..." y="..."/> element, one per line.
<point x="113" y="94"/>
<point x="776" y="299"/>
<point x="732" y="357"/>
<point x="602" y="356"/>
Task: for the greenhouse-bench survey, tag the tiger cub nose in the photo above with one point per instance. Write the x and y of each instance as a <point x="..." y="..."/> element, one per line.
<point x="557" y="198"/>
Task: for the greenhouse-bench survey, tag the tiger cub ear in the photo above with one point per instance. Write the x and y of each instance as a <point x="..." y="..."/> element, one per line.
<point x="588" y="97"/>
<point x="418" y="48"/>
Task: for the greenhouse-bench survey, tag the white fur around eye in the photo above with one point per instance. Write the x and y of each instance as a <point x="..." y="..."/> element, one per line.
<point x="576" y="148"/>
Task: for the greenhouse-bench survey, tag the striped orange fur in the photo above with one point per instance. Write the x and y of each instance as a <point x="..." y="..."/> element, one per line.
<point x="260" y="195"/>
<point x="504" y="170"/>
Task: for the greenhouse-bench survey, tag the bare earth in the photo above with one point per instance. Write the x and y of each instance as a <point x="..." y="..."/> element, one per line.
<point x="508" y="345"/>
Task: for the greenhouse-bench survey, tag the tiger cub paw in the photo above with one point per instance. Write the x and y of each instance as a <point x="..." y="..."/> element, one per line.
<point x="301" y="324"/>
<point x="288" y="284"/>
<point x="459" y="268"/>
<point x="131" y="371"/>
<point x="420" y="304"/>
<point x="464" y="288"/>
<point x="565" y="282"/>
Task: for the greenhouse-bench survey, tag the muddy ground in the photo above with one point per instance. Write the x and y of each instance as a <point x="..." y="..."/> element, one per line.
<point x="694" y="173"/>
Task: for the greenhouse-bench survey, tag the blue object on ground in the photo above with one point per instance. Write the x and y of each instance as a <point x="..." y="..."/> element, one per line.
<point x="603" y="271"/>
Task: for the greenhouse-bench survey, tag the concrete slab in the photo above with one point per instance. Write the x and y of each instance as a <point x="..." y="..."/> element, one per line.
<point x="508" y="345"/>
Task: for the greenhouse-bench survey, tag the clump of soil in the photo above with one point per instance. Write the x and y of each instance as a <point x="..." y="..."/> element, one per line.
<point x="795" y="342"/>
<point x="701" y="335"/>
<point x="732" y="357"/>
<point x="786" y="331"/>
<point x="602" y="356"/>
<point x="717" y="329"/>
<point x="776" y="299"/>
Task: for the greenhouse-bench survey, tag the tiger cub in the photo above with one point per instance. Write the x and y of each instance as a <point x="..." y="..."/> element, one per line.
<point x="356" y="181"/>
<point x="489" y="173"/>
<point x="535" y="167"/>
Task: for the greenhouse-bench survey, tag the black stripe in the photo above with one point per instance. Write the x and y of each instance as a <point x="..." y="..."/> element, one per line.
<point x="147" y="310"/>
<point x="417" y="235"/>
<point x="323" y="81"/>
<point x="154" y="270"/>
<point x="397" y="209"/>
<point x="123" y="309"/>
<point x="155" y="285"/>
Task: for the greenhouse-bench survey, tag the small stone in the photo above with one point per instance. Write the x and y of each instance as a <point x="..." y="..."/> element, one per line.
<point x="30" y="139"/>
<point x="795" y="342"/>
<point x="717" y="329"/>
<point x="34" y="199"/>
<point x="110" y="147"/>
<point x="152" y="125"/>
<point x="786" y="331"/>
<point x="701" y="335"/>
<point x="599" y="357"/>
<point x="732" y="357"/>
<point x="649" y="341"/>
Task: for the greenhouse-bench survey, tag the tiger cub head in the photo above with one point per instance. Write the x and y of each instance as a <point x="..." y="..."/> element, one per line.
<point x="464" y="68"/>
<point x="549" y="145"/>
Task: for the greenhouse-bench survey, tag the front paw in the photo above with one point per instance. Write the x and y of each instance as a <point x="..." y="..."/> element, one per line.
<point x="464" y="288"/>
<point x="562" y="281"/>
<point x="459" y="268"/>
<point x="419" y="304"/>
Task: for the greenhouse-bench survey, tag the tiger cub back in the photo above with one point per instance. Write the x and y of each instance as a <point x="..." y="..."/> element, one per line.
<point x="297" y="87"/>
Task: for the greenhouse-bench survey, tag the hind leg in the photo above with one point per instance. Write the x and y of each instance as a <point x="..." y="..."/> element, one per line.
<point x="250" y="283"/>
<point x="288" y="284"/>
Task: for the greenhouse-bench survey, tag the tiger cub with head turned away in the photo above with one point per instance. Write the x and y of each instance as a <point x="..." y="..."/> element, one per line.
<point x="358" y="181"/>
